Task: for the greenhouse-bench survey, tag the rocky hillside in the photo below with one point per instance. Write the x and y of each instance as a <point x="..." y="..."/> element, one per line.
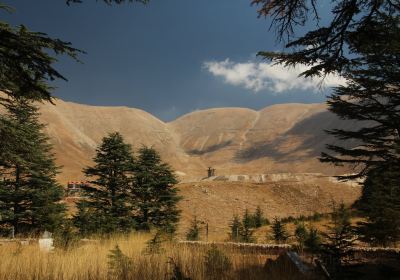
<point x="280" y="138"/>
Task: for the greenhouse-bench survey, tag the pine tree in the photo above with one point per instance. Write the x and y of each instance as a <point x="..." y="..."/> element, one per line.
<point x="324" y="49"/>
<point x="301" y="235"/>
<point x="193" y="233"/>
<point x="29" y="193"/>
<point x="236" y="228"/>
<point x="246" y="234"/>
<point x="216" y="264"/>
<point x="154" y="245"/>
<point x="371" y="99"/>
<point x="107" y="203"/>
<point x="120" y="266"/>
<point x="380" y="204"/>
<point x="338" y="239"/>
<point x="26" y="63"/>
<point x="313" y="241"/>
<point x="259" y="219"/>
<point x="154" y="192"/>
<point x="279" y="233"/>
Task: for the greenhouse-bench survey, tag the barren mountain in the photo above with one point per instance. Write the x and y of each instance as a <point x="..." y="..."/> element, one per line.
<point x="246" y="148"/>
<point x="279" y="138"/>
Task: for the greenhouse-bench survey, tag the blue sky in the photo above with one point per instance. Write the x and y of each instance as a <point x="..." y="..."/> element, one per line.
<point x="168" y="57"/>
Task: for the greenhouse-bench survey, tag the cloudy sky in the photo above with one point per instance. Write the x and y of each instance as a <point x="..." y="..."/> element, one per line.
<point x="168" y="57"/>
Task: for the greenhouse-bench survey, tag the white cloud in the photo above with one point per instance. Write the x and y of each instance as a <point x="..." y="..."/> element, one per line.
<point x="257" y="76"/>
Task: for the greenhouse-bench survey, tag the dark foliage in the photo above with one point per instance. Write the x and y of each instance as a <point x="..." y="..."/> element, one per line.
<point x="193" y="233"/>
<point x="236" y="228"/>
<point x="279" y="233"/>
<point x="154" y="192"/>
<point x="324" y="49"/>
<point x="216" y="264"/>
<point x="107" y="203"/>
<point x="119" y="265"/>
<point x="301" y="235"/>
<point x="247" y="229"/>
<point x="27" y="64"/>
<point x="380" y="204"/>
<point x="339" y="238"/>
<point x="313" y="241"/>
<point x="29" y="193"/>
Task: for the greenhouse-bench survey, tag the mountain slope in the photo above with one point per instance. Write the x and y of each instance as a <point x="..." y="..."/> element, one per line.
<point x="279" y="138"/>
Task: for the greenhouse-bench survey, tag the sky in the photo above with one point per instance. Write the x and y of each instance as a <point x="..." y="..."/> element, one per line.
<point x="168" y="58"/>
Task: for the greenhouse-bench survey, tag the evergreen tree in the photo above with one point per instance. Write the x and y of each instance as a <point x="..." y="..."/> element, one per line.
<point x="29" y="193"/>
<point x="246" y="234"/>
<point x="193" y="233"/>
<point x="380" y="204"/>
<point x="154" y="245"/>
<point x="26" y="63"/>
<point x="301" y="235"/>
<point x="338" y="238"/>
<point x="313" y="241"/>
<point x="371" y="98"/>
<point x="325" y="48"/>
<point x="216" y="264"/>
<point x="279" y="233"/>
<point x="107" y="203"/>
<point x="259" y="219"/>
<point x="154" y="192"/>
<point x="236" y="228"/>
<point x="120" y="266"/>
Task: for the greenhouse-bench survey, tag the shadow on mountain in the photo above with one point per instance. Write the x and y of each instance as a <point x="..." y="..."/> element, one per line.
<point x="311" y="135"/>
<point x="209" y="149"/>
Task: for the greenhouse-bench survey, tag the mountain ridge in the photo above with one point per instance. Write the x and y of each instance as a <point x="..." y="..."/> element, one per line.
<point x="278" y="138"/>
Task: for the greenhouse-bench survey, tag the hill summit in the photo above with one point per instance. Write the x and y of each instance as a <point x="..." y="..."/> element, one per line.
<point x="286" y="138"/>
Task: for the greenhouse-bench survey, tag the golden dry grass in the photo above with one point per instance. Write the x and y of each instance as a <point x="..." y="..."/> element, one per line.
<point x="90" y="261"/>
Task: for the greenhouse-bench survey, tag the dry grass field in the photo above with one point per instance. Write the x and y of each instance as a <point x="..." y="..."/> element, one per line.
<point x="91" y="261"/>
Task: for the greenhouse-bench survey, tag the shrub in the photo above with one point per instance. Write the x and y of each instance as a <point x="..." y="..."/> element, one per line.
<point x="119" y="266"/>
<point x="216" y="264"/>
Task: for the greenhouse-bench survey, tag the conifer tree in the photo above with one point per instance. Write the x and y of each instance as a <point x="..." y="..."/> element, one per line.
<point x="107" y="203"/>
<point x="371" y="97"/>
<point x="313" y="241"/>
<point x="29" y="192"/>
<point x="324" y="49"/>
<point x="26" y="62"/>
<point x="236" y="228"/>
<point x="246" y="234"/>
<point x="193" y="233"/>
<point x="154" y="192"/>
<point x="338" y="238"/>
<point x="380" y="204"/>
<point x="301" y="235"/>
<point x="279" y="233"/>
<point x="259" y="219"/>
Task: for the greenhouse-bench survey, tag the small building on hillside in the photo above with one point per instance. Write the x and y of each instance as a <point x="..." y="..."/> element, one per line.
<point x="210" y="172"/>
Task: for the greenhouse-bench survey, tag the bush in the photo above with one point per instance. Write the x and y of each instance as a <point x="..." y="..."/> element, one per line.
<point x="279" y="233"/>
<point x="66" y="237"/>
<point x="177" y="273"/>
<point x="216" y="264"/>
<point x="193" y="233"/>
<point x="301" y="235"/>
<point x="154" y="245"/>
<point x="119" y="266"/>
